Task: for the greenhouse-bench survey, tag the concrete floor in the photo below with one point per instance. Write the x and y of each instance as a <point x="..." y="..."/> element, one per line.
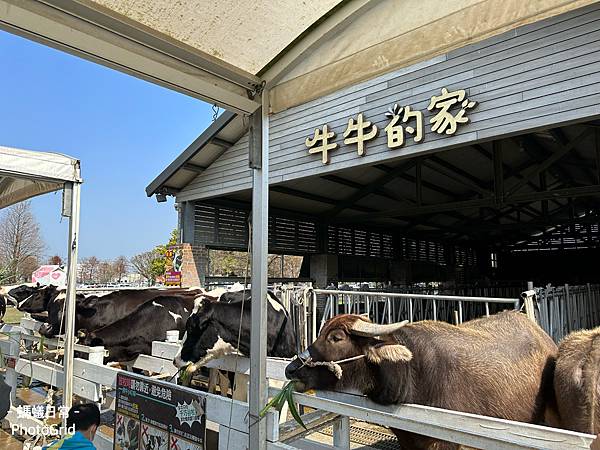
<point x="7" y="442"/>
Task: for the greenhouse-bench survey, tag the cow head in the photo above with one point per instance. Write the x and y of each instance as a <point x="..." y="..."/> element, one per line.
<point x="368" y="347"/>
<point x="37" y="301"/>
<point x="214" y="329"/>
<point x="203" y="336"/>
<point x="53" y="325"/>
<point x="17" y="294"/>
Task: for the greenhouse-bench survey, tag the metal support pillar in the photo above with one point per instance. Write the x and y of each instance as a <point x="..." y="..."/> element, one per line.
<point x="544" y="187"/>
<point x="419" y="182"/>
<point x="498" y="172"/>
<point x="260" y="226"/>
<point x="73" y="214"/>
<point x="598" y="155"/>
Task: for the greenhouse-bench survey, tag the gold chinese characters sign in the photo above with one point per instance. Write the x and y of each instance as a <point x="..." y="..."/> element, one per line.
<point x="451" y="110"/>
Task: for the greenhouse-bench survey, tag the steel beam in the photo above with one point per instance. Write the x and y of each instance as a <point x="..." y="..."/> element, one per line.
<point x="419" y="182"/>
<point x="573" y="192"/>
<point x="562" y="140"/>
<point x="544" y="186"/>
<point x="371" y="188"/>
<point x="498" y="172"/>
<point x="383" y="192"/>
<point x="509" y="171"/>
<point x="316" y="198"/>
<point x="538" y="168"/>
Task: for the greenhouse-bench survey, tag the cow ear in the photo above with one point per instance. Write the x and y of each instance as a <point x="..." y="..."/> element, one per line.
<point x="388" y="352"/>
<point x="85" y="311"/>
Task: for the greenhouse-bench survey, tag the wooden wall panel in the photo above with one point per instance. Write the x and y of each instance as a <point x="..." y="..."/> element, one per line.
<point x="533" y="77"/>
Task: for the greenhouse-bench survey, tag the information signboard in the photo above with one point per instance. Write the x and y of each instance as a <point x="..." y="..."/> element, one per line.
<point x="173" y="263"/>
<point x="157" y="416"/>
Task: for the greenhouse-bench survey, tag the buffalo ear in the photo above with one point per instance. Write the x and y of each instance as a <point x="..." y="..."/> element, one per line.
<point x="85" y="311"/>
<point x="388" y="352"/>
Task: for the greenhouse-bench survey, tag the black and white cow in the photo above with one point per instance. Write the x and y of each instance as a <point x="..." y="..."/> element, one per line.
<point x="18" y="292"/>
<point x="32" y="298"/>
<point x="212" y="329"/>
<point x="132" y="335"/>
<point x="97" y="311"/>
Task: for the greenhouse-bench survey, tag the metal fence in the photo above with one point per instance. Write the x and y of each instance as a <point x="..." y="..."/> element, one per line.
<point x="310" y="308"/>
<point x="390" y="307"/>
<point x="564" y="309"/>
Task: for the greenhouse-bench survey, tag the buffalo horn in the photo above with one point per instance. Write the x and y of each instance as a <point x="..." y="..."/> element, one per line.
<point x="368" y="329"/>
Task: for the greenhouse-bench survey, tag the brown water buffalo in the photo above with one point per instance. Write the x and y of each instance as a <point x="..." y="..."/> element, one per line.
<point x="577" y="383"/>
<point x="499" y="366"/>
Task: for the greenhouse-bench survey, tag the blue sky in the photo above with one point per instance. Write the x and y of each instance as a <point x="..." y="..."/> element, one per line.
<point x="124" y="131"/>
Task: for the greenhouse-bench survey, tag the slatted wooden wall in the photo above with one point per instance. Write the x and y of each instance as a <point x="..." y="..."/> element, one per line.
<point x="223" y="227"/>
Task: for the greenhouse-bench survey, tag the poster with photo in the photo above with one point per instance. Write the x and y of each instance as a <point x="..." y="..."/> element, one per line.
<point x="173" y="265"/>
<point x="157" y="416"/>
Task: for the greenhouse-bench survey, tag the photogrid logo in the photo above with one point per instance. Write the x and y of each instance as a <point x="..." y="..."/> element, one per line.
<point x="41" y="430"/>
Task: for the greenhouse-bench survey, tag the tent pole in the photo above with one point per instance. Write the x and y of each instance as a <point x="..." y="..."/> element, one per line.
<point x="71" y="292"/>
<point x="258" y="330"/>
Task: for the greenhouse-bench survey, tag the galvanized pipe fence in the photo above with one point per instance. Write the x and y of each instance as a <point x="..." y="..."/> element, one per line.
<point x="564" y="309"/>
<point x="390" y="307"/>
<point x="559" y="310"/>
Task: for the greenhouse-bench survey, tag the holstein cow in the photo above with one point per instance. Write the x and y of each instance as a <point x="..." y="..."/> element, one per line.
<point x="18" y="292"/>
<point x="132" y="335"/>
<point x="97" y="311"/>
<point x="2" y="307"/>
<point x="498" y="366"/>
<point x="577" y="381"/>
<point x="34" y="299"/>
<point x="212" y="329"/>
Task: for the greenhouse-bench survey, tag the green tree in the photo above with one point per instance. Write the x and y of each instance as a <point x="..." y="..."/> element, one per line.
<point x="151" y="265"/>
<point x="158" y="264"/>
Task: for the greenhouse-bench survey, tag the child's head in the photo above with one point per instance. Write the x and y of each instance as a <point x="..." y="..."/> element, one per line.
<point x="86" y="418"/>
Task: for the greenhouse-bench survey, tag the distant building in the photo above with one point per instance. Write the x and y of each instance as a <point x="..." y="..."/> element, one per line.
<point x="50" y="274"/>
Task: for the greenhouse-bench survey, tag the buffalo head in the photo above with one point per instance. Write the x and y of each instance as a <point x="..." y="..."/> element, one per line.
<point x="347" y="349"/>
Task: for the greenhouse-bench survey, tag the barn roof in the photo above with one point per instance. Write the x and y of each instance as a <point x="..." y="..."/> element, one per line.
<point x="25" y="174"/>
<point x="200" y="154"/>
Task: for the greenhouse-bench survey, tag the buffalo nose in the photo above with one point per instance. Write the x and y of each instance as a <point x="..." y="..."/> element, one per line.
<point x="292" y="368"/>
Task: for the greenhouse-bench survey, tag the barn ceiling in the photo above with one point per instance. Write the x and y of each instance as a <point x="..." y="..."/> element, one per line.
<point x="504" y="192"/>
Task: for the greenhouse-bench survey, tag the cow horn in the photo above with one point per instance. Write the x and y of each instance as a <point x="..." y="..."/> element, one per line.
<point x="368" y="329"/>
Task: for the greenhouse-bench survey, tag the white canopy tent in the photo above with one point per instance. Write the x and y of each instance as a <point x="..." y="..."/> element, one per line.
<point x="25" y="174"/>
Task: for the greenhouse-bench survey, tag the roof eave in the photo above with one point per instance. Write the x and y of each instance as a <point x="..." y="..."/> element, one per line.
<point x="201" y="141"/>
